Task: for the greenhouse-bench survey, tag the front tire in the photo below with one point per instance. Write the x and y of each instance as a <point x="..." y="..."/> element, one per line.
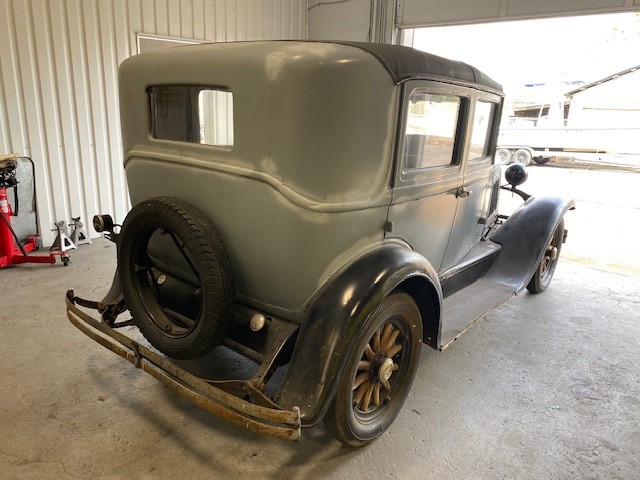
<point x="547" y="266"/>
<point x="379" y="372"/>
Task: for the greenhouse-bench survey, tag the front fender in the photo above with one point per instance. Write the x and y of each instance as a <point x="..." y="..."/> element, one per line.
<point x="333" y="319"/>
<point x="524" y="237"/>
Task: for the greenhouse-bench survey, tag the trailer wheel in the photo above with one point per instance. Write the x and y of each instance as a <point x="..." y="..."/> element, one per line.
<point x="523" y="156"/>
<point x="503" y="156"/>
<point x="378" y="373"/>
<point x="176" y="277"/>
<point x="547" y="266"/>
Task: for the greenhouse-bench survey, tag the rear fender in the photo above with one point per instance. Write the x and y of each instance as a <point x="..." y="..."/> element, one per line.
<point x="524" y="237"/>
<point x="335" y="315"/>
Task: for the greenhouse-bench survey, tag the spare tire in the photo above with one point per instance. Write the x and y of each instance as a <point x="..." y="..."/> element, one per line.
<point x="176" y="277"/>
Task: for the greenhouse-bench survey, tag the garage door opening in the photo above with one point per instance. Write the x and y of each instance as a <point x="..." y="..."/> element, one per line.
<point x="572" y="99"/>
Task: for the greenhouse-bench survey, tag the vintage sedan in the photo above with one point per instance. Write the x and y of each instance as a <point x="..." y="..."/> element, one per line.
<point x="326" y="207"/>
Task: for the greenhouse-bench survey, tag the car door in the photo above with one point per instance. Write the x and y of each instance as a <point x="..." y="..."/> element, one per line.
<point x="477" y="199"/>
<point x="429" y="172"/>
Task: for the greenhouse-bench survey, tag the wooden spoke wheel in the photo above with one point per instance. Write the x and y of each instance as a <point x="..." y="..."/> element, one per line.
<point x="379" y="372"/>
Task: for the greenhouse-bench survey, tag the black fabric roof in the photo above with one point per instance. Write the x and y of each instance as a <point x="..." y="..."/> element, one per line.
<point x="405" y="62"/>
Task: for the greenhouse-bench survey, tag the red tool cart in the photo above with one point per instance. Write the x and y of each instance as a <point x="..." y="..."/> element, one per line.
<point x="12" y="250"/>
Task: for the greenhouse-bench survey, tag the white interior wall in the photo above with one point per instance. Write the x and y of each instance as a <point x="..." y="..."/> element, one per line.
<point x="58" y="89"/>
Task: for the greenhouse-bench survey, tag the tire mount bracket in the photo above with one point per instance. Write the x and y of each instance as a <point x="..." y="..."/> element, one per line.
<point x="260" y="416"/>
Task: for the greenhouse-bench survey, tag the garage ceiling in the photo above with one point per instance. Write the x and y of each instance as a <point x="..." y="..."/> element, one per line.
<point x="427" y="13"/>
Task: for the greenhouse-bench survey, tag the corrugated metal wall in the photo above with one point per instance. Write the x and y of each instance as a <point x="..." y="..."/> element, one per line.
<point x="58" y="91"/>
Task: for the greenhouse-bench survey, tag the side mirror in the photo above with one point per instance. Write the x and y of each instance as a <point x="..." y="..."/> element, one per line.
<point x="516" y="174"/>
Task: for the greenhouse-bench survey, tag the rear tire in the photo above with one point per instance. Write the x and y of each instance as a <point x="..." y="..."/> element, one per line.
<point x="378" y="373"/>
<point x="162" y="321"/>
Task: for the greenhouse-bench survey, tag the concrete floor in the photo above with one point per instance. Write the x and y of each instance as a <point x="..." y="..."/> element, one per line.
<point x="546" y="386"/>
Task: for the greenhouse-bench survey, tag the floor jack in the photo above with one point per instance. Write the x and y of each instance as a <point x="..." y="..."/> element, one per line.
<point x="12" y="250"/>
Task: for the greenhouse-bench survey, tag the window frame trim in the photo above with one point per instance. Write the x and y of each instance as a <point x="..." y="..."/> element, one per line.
<point x="440" y="174"/>
<point x="490" y="128"/>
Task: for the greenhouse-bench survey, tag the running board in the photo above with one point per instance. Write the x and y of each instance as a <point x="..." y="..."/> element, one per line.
<point x="465" y="307"/>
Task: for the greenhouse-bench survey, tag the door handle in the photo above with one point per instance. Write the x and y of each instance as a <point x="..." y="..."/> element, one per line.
<point x="463" y="192"/>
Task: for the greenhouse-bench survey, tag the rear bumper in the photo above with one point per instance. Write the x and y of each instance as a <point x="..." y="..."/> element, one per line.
<point x="265" y="418"/>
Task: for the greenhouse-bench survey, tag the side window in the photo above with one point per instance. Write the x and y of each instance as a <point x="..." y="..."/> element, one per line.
<point x="430" y="130"/>
<point x="192" y="114"/>
<point x="481" y="130"/>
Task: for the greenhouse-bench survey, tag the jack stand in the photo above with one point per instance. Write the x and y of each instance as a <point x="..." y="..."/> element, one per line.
<point x="62" y="242"/>
<point x="12" y="251"/>
<point x="79" y="235"/>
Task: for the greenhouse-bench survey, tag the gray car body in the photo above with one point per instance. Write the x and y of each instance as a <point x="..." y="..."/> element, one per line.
<point x="307" y="186"/>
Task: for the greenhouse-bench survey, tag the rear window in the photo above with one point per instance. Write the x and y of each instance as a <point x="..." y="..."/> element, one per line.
<point x="192" y="114"/>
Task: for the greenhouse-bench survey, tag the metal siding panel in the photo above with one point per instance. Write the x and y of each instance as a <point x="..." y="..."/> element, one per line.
<point x="240" y="19"/>
<point x="197" y="16"/>
<point x="67" y="126"/>
<point x="303" y="21"/>
<point x="147" y="7"/>
<point x="209" y="20"/>
<point x="162" y="17"/>
<point x="5" y="137"/>
<point x="134" y="8"/>
<point x="124" y="48"/>
<point x="36" y="146"/>
<point x="186" y="19"/>
<point x="10" y="88"/>
<point x="258" y="15"/>
<point x="50" y="104"/>
<point x="266" y="18"/>
<point x="98" y="102"/>
<point x="174" y="18"/>
<point x="112" y="115"/>
<point x="83" y="111"/>
<point x="221" y="26"/>
<point x="230" y="20"/>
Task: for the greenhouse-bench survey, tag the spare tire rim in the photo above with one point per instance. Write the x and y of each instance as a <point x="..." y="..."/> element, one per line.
<point x="148" y="280"/>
